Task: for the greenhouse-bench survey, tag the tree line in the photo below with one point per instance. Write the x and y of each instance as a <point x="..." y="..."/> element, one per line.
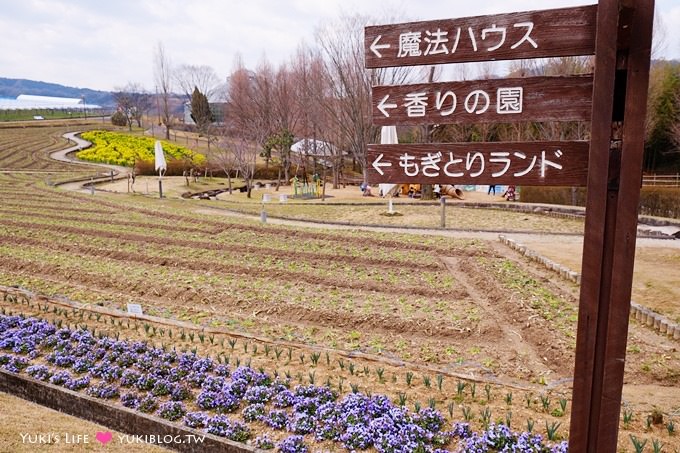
<point x="322" y="93"/>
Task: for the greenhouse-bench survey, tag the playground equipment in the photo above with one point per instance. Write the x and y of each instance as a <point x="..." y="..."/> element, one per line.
<point x="452" y="191"/>
<point x="305" y="189"/>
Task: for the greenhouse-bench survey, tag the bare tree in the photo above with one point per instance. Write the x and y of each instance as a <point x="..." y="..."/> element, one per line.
<point x="312" y="90"/>
<point x="123" y="100"/>
<point x="245" y="158"/>
<point x="222" y="157"/>
<point x="187" y="77"/>
<point x="163" y="76"/>
<point x="349" y="100"/>
<point x="133" y="102"/>
<point x="247" y="124"/>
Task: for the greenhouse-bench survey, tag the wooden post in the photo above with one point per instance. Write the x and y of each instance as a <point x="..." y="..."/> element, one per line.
<point x="442" y="223"/>
<point x="622" y="49"/>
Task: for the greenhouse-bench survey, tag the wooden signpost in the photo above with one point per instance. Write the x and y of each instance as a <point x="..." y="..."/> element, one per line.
<point x="483" y="101"/>
<point x="618" y="33"/>
<point x="534" y="163"/>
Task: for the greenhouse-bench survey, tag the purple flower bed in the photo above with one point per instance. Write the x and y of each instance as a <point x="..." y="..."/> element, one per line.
<point x="158" y="382"/>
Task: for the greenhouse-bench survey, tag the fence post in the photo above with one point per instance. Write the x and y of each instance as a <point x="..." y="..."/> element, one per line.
<point x="442" y="200"/>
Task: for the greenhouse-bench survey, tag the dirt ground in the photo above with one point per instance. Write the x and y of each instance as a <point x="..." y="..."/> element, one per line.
<point x="27" y="427"/>
<point x="176" y="185"/>
<point x="659" y="291"/>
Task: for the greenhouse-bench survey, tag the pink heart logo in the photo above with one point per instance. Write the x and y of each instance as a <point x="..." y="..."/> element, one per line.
<point x="104" y="438"/>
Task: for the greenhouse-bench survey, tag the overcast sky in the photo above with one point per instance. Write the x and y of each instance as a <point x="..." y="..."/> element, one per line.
<point x="105" y="44"/>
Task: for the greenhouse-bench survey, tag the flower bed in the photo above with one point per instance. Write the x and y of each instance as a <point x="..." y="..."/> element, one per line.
<point x="121" y="149"/>
<point x="240" y="404"/>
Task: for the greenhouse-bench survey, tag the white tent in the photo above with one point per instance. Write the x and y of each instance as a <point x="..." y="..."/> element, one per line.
<point x="314" y="148"/>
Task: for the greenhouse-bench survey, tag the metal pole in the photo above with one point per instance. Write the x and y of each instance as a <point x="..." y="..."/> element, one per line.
<point x="160" y="188"/>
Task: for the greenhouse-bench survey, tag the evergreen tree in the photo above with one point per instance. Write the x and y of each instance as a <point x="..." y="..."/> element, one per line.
<point x="200" y="110"/>
<point x="664" y="112"/>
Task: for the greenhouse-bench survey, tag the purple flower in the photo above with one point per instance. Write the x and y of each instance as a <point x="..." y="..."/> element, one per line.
<point x="245" y="374"/>
<point x="148" y="404"/>
<point x="301" y="423"/>
<point x="103" y="390"/>
<point x="264" y="442"/>
<point x="226" y="402"/>
<point x="179" y="392"/>
<point x="172" y="410"/>
<point x="461" y="430"/>
<point x="161" y="388"/>
<point x="357" y="437"/>
<point x="222" y="370"/>
<point x="130" y="399"/>
<point x="40" y="372"/>
<point x="203" y="365"/>
<point x="429" y="419"/>
<point x="82" y="365"/>
<point x="207" y="400"/>
<point x="60" y="358"/>
<point x="145" y="382"/>
<point x="195" y="419"/>
<point x="253" y="412"/>
<point x="293" y="444"/>
<point x="77" y="384"/>
<point x="259" y="394"/>
<point x="60" y="377"/>
<point x="196" y="378"/>
<point x="129" y="378"/>
<point x="221" y="425"/>
<point x="213" y="383"/>
<point x="276" y="419"/>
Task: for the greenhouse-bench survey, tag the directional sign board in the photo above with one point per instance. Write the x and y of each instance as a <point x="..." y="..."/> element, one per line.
<point x="533" y="34"/>
<point x="619" y="34"/>
<point x="562" y="163"/>
<point x="498" y="100"/>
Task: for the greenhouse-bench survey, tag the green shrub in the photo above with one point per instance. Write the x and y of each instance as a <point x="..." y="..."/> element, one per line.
<point x="654" y="201"/>
<point x="660" y="202"/>
<point x="554" y="195"/>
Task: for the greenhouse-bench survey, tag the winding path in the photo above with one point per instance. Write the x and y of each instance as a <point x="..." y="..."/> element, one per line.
<point x="64" y="156"/>
<point x="122" y="172"/>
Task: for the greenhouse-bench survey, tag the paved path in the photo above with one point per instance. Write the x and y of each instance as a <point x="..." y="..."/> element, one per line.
<point x="122" y="172"/>
<point x="468" y="234"/>
<point x="64" y="156"/>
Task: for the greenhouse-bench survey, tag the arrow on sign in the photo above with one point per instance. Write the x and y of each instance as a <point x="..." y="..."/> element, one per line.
<point x="375" y="47"/>
<point x="382" y="106"/>
<point x="377" y="164"/>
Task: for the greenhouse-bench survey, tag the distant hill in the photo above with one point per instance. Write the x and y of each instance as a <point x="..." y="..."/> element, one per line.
<point x="11" y="88"/>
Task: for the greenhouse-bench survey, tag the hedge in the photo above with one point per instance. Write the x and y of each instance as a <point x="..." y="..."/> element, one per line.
<point x="654" y="201"/>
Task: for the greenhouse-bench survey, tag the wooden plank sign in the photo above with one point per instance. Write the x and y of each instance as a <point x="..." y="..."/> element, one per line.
<point x="478" y="101"/>
<point x="532" y="34"/>
<point x="559" y="163"/>
<point x="619" y="33"/>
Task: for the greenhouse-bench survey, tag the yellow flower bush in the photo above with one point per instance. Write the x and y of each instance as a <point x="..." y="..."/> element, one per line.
<point x="121" y="149"/>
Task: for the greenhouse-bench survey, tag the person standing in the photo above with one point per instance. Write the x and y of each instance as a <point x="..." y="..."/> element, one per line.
<point x="491" y="189"/>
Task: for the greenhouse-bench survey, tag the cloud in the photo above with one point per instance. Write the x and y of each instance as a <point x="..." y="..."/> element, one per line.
<point x="107" y="44"/>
